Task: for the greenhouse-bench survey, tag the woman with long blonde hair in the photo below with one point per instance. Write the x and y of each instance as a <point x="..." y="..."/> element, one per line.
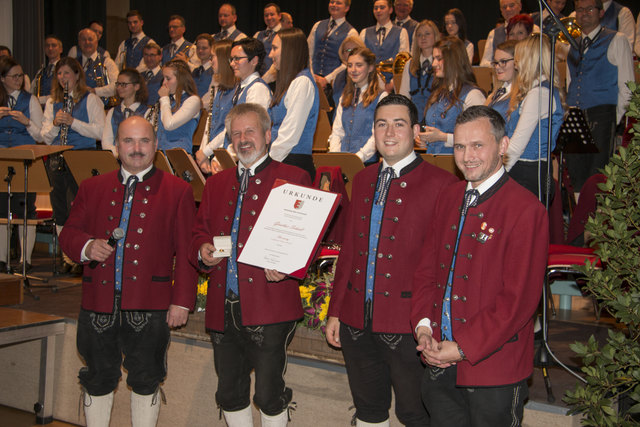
<point x="179" y="107"/>
<point x="353" y="126"/>
<point x="527" y="154"/>
<point x="453" y="90"/>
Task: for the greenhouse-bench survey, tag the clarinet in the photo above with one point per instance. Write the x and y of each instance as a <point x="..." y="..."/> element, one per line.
<point x="152" y="117"/>
<point x="213" y="90"/>
<point x="67" y="107"/>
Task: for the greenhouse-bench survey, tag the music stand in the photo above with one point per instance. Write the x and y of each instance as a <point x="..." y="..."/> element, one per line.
<point x="161" y="162"/>
<point x="26" y="161"/>
<point x="85" y="164"/>
<point x="224" y="158"/>
<point x="185" y="167"/>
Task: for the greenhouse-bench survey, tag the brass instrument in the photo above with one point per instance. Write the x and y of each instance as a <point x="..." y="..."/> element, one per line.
<point x="101" y="78"/>
<point x="67" y="107"/>
<point x="572" y="27"/>
<point x="154" y="115"/>
<point x="395" y="65"/>
<point x="37" y="81"/>
<point x="213" y="91"/>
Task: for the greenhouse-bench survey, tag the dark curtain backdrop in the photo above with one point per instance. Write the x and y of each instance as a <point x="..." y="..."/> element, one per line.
<point x="28" y="34"/>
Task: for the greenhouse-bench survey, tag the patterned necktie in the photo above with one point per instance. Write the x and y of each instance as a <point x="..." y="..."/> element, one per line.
<point x="586" y="42"/>
<point x="496" y="96"/>
<point x="224" y="34"/>
<point x="426" y="67"/>
<point x="382" y="31"/>
<point x="172" y="50"/>
<point x="198" y="71"/>
<point x="244" y="180"/>
<point x="12" y="102"/>
<point x="133" y="41"/>
<point x="128" y="112"/>
<point x="131" y="186"/>
<point x="236" y="95"/>
<point x="383" y="184"/>
<point x="332" y="25"/>
<point x="268" y="34"/>
<point x="172" y="99"/>
<point x="49" y="70"/>
<point x="470" y="199"/>
<point x="87" y="61"/>
<point x="356" y="97"/>
<point x="147" y="75"/>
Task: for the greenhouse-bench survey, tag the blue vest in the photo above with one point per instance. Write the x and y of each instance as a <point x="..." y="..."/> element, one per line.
<point x="202" y="80"/>
<point x="357" y="124"/>
<point x="610" y="18"/>
<point x="182" y="137"/>
<point x="439" y="117"/>
<point x="166" y="51"/>
<point x="338" y="86"/>
<point x="232" y="36"/>
<point x="279" y="112"/>
<point x="410" y="26"/>
<point x="81" y="113"/>
<point x="389" y="48"/>
<point x="134" y="55"/>
<point x="93" y="72"/>
<point x="594" y="80"/>
<point x="153" y="85"/>
<point x="118" y="116"/>
<point x="499" y="36"/>
<point x="502" y="107"/>
<point x="325" y="52"/>
<point x="45" y="81"/>
<point x="12" y="132"/>
<point x="266" y="41"/>
<point x="222" y="103"/>
<point x="420" y="90"/>
<point x="242" y="99"/>
<point x="531" y="150"/>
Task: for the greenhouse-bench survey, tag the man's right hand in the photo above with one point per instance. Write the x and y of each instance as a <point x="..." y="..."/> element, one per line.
<point x="203" y="162"/>
<point x="333" y="331"/>
<point x="98" y="250"/>
<point x="206" y="255"/>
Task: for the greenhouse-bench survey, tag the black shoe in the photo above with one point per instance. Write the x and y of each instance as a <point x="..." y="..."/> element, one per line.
<point x="3" y="267"/>
<point x="28" y="268"/>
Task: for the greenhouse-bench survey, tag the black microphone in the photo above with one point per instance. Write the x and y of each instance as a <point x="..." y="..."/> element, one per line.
<point x="116" y="235"/>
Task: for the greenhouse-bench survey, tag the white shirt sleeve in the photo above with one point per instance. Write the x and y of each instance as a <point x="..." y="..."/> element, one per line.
<point x="35" y="118"/>
<point x="311" y="42"/>
<point x="405" y="85"/>
<point x="363" y="34"/>
<point x="337" y="131"/>
<point x="112" y="73"/>
<point x="94" y="127"/>
<point x="216" y="142"/>
<point x="487" y="56"/>
<point x="470" y="48"/>
<point x="474" y="97"/>
<point x="260" y="94"/>
<point x="369" y="148"/>
<point x="619" y="54"/>
<point x="189" y="109"/>
<point x="73" y="52"/>
<point x="404" y="41"/>
<point x="626" y="25"/>
<point x="49" y="131"/>
<point x="107" y="134"/>
<point x="424" y="322"/>
<point x="120" y="56"/>
<point x="298" y="101"/>
<point x="537" y="96"/>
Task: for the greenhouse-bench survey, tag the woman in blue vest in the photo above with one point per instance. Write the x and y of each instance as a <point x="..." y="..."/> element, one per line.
<point x="418" y="73"/>
<point x="222" y="92"/>
<point x="505" y="68"/>
<point x="132" y="93"/>
<point x="349" y="44"/>
<point x="179" y="107"/>
<point x="353" y="128"/>
<point x="79" y="125"/>
<point x="295" y="103"/>
<point x="526" y="158"/>
<point x="453" y="91"/>
<point x="456" y="26"/>
<point x="20" y="121"/>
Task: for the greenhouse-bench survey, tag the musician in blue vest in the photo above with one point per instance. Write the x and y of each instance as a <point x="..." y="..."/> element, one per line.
<point x="42" y="81"/>
<point x="352" y="130"/>
<point x="272" y="17"/>
<point x="131" y="50"/>
<point x="97" y="28"/>
<point x="528" y="142"/>
<point x="509" y="9"/>
<point x="597" y="80"/>
<point x="349" y="44"/>
<point x="152" y="71"/>
<point x="417" y="75"/>
<point x="618" y="18"/>
<point x="178" y="47"/>
<point x="505" y="70"/>
<point x="203" y="73"/>
<point x="403" y="9"/>
<point x="384" y="39"/>
<point x="132" y="94"/>
<point x="100" y="71"/>
<point x="295" y="104"/>
<point x="227" y="18"/>
<point x="78" y="125"/>
<point x="20" y="122"/>
<point x="453" y="90"/>
<point x="179" y="107"/>
<point x="324" y="41"/>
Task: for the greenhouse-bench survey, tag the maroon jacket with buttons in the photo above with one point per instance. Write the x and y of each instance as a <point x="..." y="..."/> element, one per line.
<point x="261" y="302"/>
<point x="162" y="216"/>
<point x="497" y="281"/>
<point x="407" y="214"/>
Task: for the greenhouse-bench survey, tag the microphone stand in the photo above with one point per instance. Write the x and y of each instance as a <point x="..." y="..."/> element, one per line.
<point x="10" y="173"/>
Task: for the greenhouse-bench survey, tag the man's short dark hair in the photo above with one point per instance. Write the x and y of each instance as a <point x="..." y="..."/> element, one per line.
<point x="478" y="112"/>
<point x="233" y="8"/>
<point x="134" y="13"/>
<point x="272" y="5"/>
<point x="252" y="47"/>
<point x="396" y="99"/>
<point x="3" y="47"/>
<point x="179" y="18"/>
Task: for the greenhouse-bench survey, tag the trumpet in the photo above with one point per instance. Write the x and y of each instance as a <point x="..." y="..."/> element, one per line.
<point x="67" y="107"/>
<point x="102" y="79"/>
<point x="572" y="27"/>
<point x="395" y="65"/>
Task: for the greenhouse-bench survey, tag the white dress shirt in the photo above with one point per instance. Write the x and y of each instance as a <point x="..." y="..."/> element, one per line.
<point x="405" y="85"/>
<point x="91" y="129"/>
<point x="189" y="109"/>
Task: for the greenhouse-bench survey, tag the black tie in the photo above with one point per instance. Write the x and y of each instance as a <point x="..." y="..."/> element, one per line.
<point x="268" y="34"/>
<point x="223" y="34"/>
<point x="128" y="112"/>
<point x="356" y="97"/>
<point x="147" y="75"/>
<point x="382" y="31"/>
<point x="172" y="50"/>
<point x="131" y="188"/>
<point x="383" y="184"/>
<point x="496" y="96"/>
<point x="133" y="41"/>
<point x="332" y="25"/>
<point x="586" y="42"/>
<point x="12" y="102"/>
<point x="49" y="70"/>
<point x="426" y="66"/>
<point x="470" y="199"/>
<point x="198" y="71"/>
<point x="236" y="95"/>
<point x="244" y="180"/>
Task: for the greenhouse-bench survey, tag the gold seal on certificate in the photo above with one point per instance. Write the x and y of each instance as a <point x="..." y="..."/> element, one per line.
<point x="289" y="228"/>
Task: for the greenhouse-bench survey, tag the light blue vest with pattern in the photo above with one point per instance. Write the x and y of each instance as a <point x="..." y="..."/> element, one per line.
<point x="338" y="86"/>
<point x="203" y="80"/>
<point x="182" y="137"/>
<point x="153" y="85"/>
<point x="325" y="52"/>
<point x="610" y="18"/>
<point x="420" y="91"/>
<point x="81" y="113"/>
<point x="279" y="112"/>
<point x="133" y="55"/>
<point x="357" y="124"/>
<point x="222" y="104"/>
<point x="118" y="116"/>
<point x="439" y="117"/>
<point x="267" y="42"/>
<point x="12" y="132"/>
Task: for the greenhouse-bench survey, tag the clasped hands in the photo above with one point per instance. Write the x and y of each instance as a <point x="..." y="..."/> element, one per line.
<point x="440" y="354"/>
<point x="14" y="114"/>
<point x="206" y="255"/>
